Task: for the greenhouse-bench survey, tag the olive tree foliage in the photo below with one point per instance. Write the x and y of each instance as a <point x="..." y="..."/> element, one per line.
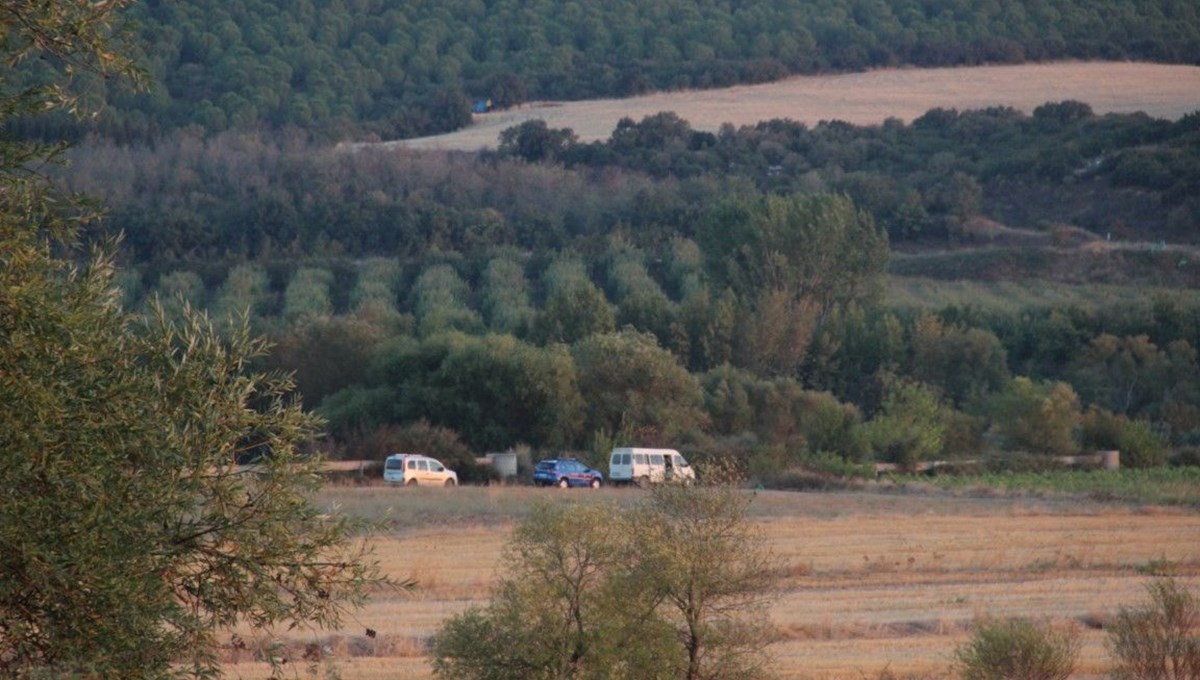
<point x="505" y="297"/>
<point x="375" y="293"/>
<point x="128" y="536"/>
<point x="246" y="290"/>
<point x="675" y="587"/>
<point x="307" y="295"/>
<point x="439" y="301"/>
<point x="174" y="291"/>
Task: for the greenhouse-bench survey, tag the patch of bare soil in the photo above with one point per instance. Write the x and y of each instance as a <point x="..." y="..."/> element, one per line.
<point x="1160" y="90"/>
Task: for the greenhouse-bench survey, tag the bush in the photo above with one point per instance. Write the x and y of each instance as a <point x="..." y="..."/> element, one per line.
<point x="1018" y="649"/>
<point x="1017" y="462"/>
<point x="1141" y="447"/>
<point x="1101" y="429"/>
<point x="1037" y="417"/>
<point x="1186" y="456"/>
<point x="1159" y="640"/>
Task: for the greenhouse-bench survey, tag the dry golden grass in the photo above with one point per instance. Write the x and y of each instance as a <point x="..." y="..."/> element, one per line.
<point x="1161" y="90"/>
<point x="869" y="580"/>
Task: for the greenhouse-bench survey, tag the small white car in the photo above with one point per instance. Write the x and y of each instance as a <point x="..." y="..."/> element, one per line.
<point x="412" y="469"/>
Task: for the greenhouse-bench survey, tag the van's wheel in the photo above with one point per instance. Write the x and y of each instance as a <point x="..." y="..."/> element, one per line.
<point x="411" y="482"/>
<point x="643" y="481"/>
<point x="595" y="483"/>
<point x="563" y="483"/>
<point x="449" y="482"/>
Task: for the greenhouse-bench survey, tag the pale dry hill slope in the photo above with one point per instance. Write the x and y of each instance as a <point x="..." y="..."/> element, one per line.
<point x="1161" y="90"/>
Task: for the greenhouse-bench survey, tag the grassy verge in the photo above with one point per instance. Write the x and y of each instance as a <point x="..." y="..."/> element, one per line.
<point x="919" y="293"/>
<point x="1158" y="486"/>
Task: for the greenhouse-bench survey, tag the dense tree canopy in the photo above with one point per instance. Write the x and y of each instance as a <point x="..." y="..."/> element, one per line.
<point x="404" y="68"/>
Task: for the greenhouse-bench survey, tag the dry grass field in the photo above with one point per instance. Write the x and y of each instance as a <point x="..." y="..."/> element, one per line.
<point x="871" y="581"/>
<point x="1161" y="90"/>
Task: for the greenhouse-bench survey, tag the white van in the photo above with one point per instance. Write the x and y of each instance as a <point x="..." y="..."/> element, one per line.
<point x="648" y="466"/>
<point x="413" y="470"/>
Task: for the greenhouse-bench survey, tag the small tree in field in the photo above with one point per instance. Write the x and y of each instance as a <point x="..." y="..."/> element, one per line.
<point x="676" y="588"/>
<point x="714" y="574"/>
<point x="569" y="606"/>
<point x="1159" y="640"/>
<point x="1018" y="649"/>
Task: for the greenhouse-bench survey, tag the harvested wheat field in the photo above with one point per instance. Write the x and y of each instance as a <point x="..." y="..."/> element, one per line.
<point x="870" y="581"/>
<point x="1161" y="90"/>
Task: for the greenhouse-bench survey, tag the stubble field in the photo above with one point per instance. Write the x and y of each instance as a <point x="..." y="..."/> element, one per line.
<point x="870" y="581"/>
<point x="1160" y="90"/>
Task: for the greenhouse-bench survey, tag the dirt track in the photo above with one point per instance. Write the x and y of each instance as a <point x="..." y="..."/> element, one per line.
<point x="1161" y="90"/>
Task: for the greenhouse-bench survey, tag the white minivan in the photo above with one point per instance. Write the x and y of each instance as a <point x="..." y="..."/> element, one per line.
<point x="416" y="470"/>
<point x="648" y="466"/>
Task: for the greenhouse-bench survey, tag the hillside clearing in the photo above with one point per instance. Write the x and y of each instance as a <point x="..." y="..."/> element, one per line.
<point x="1160" y="90"/>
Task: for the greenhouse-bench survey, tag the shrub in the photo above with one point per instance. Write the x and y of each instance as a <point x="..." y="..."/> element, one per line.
<point x="1018" y="649"/>
<point x="1159" y="640"/>
<point x="1141" y="447"/>
<point x="1186" y="456"/>
<point x="910" y="427"/>
<point x="1037" y="417"/>
<point x="1100" y="429"/>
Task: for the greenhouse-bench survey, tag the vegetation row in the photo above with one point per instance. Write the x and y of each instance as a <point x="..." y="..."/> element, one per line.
<point x="1066" y="178"/>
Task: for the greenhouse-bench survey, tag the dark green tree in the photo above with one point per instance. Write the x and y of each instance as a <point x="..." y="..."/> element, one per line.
<point x="535" y="142"/>
<point x="964" y="363"/>
<point x="632" y="384"/>
<point x="792" y="260"/>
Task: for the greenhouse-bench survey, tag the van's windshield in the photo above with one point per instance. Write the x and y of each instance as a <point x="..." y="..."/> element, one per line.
<point x="394" y="464"/>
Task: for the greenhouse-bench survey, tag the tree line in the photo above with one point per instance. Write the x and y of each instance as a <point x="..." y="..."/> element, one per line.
<point x="360" y="68"/>
<point x="723" y="355"/>
<point x="250" y="196"/>
<point x="484" y="298"/>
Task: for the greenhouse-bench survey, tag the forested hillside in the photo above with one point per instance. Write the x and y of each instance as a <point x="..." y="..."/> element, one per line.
<point x="719" y="292"/>
<point x="190" y="199"/>
<point x="393" y="69"/>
